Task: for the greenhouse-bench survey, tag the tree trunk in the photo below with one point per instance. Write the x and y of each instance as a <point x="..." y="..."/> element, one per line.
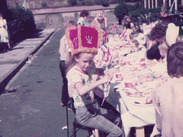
<point x="119" y="21"/>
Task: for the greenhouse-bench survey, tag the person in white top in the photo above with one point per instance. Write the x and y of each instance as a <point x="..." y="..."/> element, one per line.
<point x="101" y="21"/>
<point x="4" y="36"/>
<point x="64" y="52"/>
<point x="168" y="97"/>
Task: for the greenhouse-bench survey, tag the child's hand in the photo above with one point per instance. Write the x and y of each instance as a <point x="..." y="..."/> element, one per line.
<point x="105" y="79"/>
<point x="111" y="71"/>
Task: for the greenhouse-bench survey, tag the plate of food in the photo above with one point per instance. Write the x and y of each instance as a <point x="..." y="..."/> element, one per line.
<point x="144" y="103"/>
<point x="133" y="92"/>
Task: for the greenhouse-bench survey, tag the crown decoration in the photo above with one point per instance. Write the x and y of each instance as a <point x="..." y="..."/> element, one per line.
<point x="84" y="39"/>
<point x="89" y="39"/>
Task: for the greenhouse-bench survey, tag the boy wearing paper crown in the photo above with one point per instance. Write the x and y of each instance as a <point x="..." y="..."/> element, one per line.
<point x="84" y="42"/>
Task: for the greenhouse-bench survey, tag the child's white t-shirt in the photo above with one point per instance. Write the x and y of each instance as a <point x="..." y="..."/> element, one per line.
<point x="75" y="76"/>
<point x="82" y="21"/>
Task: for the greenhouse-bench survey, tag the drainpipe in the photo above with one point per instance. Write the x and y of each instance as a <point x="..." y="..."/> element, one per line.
<point x="145" y="3"/>
<point x="176" y="7"/>
<point x="156" y="3"/>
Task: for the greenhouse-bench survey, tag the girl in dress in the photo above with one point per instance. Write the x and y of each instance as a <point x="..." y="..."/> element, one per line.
<point x="4" y="37"/>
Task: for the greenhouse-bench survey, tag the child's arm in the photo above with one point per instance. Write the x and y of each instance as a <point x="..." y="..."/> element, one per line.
<point x="83" y="89"/>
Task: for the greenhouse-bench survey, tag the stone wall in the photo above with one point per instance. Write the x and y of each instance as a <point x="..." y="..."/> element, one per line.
<point x="54" y="15"/>
<point x="57" y="17"/>
<point x="36" y="4"/>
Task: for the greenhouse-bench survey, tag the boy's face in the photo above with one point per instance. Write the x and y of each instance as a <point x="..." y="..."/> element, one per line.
<point x="85" y="17"/>
<point x="85" y="61"/>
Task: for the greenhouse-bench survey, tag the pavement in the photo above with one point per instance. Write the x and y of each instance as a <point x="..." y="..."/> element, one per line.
<point x="12" y="61"/>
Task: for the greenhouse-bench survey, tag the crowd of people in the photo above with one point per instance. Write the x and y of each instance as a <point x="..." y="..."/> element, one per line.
<point x="89" y="51"/>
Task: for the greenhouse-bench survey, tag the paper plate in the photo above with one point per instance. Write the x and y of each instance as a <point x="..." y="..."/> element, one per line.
<point x="142" y="104"/>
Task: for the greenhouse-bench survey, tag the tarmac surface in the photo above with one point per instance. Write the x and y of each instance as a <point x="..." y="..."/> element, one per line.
<point x="33" y="111"/>
<point x="31" y="68"/>
<point x="11" y="61"/>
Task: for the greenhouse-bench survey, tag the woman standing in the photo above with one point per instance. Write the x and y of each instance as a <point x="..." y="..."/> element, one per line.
<point x="4" y="37"/>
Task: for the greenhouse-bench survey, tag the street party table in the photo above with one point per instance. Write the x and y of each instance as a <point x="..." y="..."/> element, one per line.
<point x="133" y="83"/>
<point x="133" y="91"/>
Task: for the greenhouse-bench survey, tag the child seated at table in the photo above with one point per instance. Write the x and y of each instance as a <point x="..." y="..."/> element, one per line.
<point x="168" y="98"/>
<point x="81" y="82"/>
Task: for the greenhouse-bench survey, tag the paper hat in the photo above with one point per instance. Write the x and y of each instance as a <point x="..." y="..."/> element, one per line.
<point x="84" y="39"/>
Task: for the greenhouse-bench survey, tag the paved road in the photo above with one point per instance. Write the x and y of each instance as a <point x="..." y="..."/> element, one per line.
<point x="34" y="110"/>
<point x="12" y="61"/>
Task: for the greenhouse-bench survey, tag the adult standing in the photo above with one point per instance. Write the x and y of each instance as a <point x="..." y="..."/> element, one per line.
<point x="101" y="21"/>
<point x="4" y="36"/>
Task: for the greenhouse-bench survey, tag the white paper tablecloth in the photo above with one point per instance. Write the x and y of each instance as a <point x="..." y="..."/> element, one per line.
<point x="133" y="115"/>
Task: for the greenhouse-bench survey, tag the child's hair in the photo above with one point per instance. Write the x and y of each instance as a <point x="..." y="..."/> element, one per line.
<point x="71" y="61"/>
<point x="158" y="32"/>
<point x="70" y="23"/>
<point x="153" y="53"/>
<point x="90" y="19"/>
<point x="175" y="60"/>
<point x="84" y="13"/>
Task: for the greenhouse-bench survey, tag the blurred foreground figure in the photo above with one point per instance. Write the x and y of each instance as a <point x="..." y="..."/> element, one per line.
<point x="168" y="98"/>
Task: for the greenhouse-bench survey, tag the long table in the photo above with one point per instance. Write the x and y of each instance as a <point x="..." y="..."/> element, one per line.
<point x="133" y="115"/>
<point x="133" y="83"/>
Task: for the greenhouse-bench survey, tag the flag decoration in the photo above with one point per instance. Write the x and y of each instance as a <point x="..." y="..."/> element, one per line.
<point x="114" y="28"/>
<point x="105" y="35"/>
<point x="123" y="35"/>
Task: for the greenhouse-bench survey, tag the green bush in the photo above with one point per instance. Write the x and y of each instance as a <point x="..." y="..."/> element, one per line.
<point x="20" y="22"/>
<point x="72" y="2"/>
<point x="140" y="12"/>
<point x="80" y="2"/>
<point x="105" y="3"/>
<point x="121" y="1"/>
<point x="137" y="12"/>
<point x="155" y="13"/>
<point x="44" y="5"/>
<point x="120" y="11"/>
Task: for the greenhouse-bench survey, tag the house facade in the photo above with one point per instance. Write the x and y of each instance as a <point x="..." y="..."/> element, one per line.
<point x="158" y="3"/>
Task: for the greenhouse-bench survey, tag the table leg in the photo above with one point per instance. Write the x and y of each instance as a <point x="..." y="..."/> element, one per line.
<point x="140" y="132"/>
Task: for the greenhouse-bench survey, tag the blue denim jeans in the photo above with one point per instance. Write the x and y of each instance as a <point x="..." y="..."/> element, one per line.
<point x="96" y="117"/>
